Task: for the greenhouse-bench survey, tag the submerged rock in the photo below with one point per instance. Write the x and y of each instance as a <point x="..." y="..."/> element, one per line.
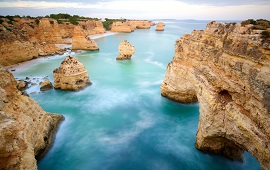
<point x="71" y="75"/>
<point x="126" y="49"/>
<point x="46" y="85"/>
<point x="227" y="69"/>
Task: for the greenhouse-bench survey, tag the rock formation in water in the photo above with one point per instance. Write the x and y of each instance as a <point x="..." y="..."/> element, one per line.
<point x="140" y="24"/>
<point x="160" y="26"/>
<point x="81" y="42"/>
<point x="227" y="69"/>
<point x="25" y="129"/>
<point x="71" y="75"/>
<point x="126" y="49"/>
<point x="46" y="85"/>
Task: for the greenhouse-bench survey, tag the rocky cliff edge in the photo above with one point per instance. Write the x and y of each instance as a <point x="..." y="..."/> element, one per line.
<point x="226" y="68"/>
<point x="25" y="129"/>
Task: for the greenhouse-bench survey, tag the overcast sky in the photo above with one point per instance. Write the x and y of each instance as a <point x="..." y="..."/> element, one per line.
<point x="142" y="9"/>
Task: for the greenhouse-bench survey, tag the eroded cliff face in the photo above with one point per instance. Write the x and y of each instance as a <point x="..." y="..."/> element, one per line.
<point x="227" y="69"/>
<point x="48" y="31"/>
<point x="25" y="129"/>
<point x="15" y="47"/>
<point x="122" y="27"/>
<point x="80" y="41"/>
<point x="71" y="75"/>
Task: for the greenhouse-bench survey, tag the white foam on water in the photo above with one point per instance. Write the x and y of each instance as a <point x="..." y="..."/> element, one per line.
<point x="126" y="135"/>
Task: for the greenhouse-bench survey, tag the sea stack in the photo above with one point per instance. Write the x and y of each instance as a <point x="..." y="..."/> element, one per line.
<point x="126" y="49"/>
<point x="80" y="41"/>
<point x="226" y="68"/>
<point x="160" y="26"/>
<point x="71" y="75"/>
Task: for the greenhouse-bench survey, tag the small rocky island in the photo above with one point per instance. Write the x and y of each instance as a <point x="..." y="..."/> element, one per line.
<point x="126" y="50"/>
<point x="71" y="75"/>
<point x="160" y="26"/>
<point x="226" y="69"/>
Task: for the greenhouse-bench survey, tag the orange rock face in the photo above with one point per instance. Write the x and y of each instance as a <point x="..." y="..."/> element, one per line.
<point x="81" y="42"/>
<point x="25" y="129"/>
<point x="227" y="69"/>
<point x="160" y="26"/>
<point x="71" y="75"/>
<point x="121" y="27"/>
<point x="48" y="31"/>
<point x="126" y="50"/>
<point x="15" y="47"/>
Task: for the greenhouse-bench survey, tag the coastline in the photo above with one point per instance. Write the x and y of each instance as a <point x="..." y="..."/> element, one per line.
<point x="67" y="47"/>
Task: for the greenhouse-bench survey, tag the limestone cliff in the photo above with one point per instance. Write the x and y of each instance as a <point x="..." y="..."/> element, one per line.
<point x="71" y="75"/>
<point x="140" y="24"/>
<point x="80" y="41"/>
<point x="126" y="50"/>
<point x="160" y="26"/>
<point x="227" y="69"/>
<point x="48" y="31"/>
<point x="92" y="27"/>
<point x="121" y="27"/>
<point x="25" y="129"/>
<point x="66" y="30"/>
<point x="15" y="47"/>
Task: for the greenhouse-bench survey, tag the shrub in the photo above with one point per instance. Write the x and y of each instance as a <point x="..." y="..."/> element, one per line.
<point x="37" y="21"/>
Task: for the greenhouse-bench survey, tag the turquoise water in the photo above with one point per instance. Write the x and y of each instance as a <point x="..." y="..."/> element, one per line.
<point x="121" y="121"/>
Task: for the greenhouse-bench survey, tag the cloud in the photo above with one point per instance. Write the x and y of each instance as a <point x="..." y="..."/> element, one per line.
<point x="142" y="9"/>
<point x="227" y="2"/>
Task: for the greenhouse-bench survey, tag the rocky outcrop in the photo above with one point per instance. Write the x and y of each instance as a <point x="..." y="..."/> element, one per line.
<point x="140" y="24"/>
<point x="160" y="26"/>
<point x="15" y="47"/>
<point x="66" y="30"/>
<point x="81" y="42"/>
<point x="121" y="27"/>
<point x="126" y="49"/>
<point x="92" y="27"/>
<point x="48" y="32"/>
<point x="25" y="129"/>
<point x="227" y="69"/>
<point x="49" y="49"/>
<point x="71" y="75"/>
<point x="46" y="85"/>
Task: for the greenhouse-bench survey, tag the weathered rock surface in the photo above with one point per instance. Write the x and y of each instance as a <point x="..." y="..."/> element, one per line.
<point x="126" y="50"/>
<point x="227" y="69"/>
<point x="71" y="75"/>
<point x="46" y="85"/>
<point x="48" y="31"/>
<point x="80" y="41"/>
<point x="122" y="27"/>
<point x="160" y="26"/>
<point x="25" y="129"/>
<point x="45" y="49"/>
<point x="15" y="47"/>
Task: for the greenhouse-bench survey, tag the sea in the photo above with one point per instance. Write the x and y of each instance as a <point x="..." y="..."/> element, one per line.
<point x="121" y="122"/>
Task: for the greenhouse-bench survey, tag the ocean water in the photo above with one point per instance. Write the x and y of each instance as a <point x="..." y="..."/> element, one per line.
<point x="121" y="122"/>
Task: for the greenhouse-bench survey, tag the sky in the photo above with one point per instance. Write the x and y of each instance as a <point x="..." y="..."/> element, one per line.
<point x="142" y="9"/>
